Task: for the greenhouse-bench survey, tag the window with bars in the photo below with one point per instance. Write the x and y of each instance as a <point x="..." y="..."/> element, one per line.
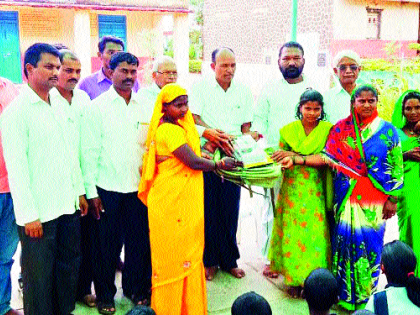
<point x="373" y="27"/>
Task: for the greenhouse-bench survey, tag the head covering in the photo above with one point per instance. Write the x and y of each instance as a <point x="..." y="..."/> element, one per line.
<point x="398" y="118"/>
<point x="168" y="93"/>
<point x="346" y="53"/>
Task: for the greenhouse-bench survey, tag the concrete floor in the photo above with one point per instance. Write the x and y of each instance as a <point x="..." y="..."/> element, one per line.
<point x="224" y="289"/>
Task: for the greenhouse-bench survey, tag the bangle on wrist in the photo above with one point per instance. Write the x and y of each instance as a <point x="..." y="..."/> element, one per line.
<point x="215" y="166"/>
<point x="293" y="159"/>
<point x="304" y="160"/>
<point x="393" y="199"/>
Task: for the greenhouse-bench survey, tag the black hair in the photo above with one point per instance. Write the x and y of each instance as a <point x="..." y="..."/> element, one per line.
<point x="399" y="262"/>
<point x="363" y="312"/>
<point x="410" y="96"/>
<point x="65" y="53"/>
<point x="60" y="46"/>
<point x="120" y="57"/>
<point x="141" y="310"/>
<point x="320" y="290"/>
<point x="109" y="39"/>
<point x="34" y="52"/>
<point x="216" y="51"/>
<point x="310" y="95"/>
<point x="291" y="45"/>
<point x="251" y="303"/>
<point x="363" y="88"/>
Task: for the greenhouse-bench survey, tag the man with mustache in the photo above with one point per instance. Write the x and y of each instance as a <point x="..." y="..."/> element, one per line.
<point x="111" y="157"/>
<point x="222" y="109"/>
<point x="276" y="108"/>
<point x="46" y="186"/>
<point x="74" y="103"/>
<point x="337" y="99"/>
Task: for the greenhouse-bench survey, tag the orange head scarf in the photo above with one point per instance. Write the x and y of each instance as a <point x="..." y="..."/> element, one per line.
<point x="168" y="93"/>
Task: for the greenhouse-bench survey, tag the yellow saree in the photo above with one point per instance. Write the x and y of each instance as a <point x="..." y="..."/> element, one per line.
<point x="174" y="195"/>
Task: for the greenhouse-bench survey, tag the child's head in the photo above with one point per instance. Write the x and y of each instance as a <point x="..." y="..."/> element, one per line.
<point x="251" y="303"/>
<point x="398" y="261"/>
<point x="320" y="290"/>
<point x="141" y="310"/>
<point x="311" y="103"/>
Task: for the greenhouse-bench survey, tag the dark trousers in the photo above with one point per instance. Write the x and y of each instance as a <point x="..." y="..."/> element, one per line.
<point x="50" y="266"/>
<point x="125" y="218"/>
<point x="84" y="285"/>
<point x="221" y="212"/>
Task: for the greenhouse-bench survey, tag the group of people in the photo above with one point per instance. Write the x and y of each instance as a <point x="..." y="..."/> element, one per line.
<point x="103" y="163"/>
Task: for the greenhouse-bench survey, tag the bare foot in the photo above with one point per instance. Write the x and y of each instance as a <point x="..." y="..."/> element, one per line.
<point x="89" y="300"/>
<point x="237" y="273"/>
<point x="211" y="272"/>
<point x="295" y="292"/>
<point x="267" y="272"/>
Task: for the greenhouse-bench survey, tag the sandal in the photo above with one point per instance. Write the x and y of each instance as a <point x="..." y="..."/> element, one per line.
<point x="106" y="308"/>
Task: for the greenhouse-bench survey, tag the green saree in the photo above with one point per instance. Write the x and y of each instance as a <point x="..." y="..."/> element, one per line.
<point x="300" y="238"/>
<point x="409" y="201"/>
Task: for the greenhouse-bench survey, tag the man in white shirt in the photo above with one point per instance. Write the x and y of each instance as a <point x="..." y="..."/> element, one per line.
<point x="112" y="155"/>
<point x="337" y="100"/>
<point x="75" y="102"/>
<point x="46" y="186"/>
<point x="164" y="72"/>
<point x="222" y="109"/>
<point x="276" y="108"/>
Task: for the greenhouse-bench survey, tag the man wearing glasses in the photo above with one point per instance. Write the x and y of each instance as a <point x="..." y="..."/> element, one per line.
<point x="337" y="99"/>
<point x="164" y="72"/>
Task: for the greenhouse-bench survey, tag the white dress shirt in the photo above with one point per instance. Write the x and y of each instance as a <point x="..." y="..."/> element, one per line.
<point x="111" y="150"/>
<point x="277" y="107"/>
<point x="76" y="112"/>
<point x="337" y="103"/>
<point x="44" y="174"/>
<point x="225" y="110"/>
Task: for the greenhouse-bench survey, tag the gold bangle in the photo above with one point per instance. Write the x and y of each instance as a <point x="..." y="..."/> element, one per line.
<point x="293" y="159"/>
<point x="304" y="160"/>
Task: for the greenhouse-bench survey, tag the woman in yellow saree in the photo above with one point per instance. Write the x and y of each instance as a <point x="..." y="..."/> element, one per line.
<point x="172" y="188"/>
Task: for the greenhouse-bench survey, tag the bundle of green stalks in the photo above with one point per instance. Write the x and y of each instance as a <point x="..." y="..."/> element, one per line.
<point x="263" y="176"/>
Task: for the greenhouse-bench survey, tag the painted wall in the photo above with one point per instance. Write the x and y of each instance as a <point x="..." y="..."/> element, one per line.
<point x="400" y="20"/>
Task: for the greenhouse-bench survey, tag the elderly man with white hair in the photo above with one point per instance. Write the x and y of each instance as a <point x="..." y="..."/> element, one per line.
<point x="337" y="100"/>
<point x="164" y="72"/>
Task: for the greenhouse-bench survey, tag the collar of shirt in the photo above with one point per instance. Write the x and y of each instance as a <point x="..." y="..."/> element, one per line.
<point x="216" y="85"/>
<point x="32" y="96"/>
<point x="101" y="76"/>
<point x="113" y="95"/>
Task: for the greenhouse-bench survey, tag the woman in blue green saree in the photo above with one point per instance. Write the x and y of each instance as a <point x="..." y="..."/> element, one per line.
<point x="366" y="153"/>
<point x="406" y="116"/>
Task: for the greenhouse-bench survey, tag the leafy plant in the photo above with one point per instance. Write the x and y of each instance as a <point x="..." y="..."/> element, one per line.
<point x="195" y="66"/>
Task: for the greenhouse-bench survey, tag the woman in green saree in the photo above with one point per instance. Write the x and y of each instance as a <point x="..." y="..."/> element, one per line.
<point x="300" y="238"/>
<point x="406" y="116"/>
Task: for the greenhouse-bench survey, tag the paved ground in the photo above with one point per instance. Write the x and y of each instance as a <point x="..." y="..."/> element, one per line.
<point x="224" y="289"/>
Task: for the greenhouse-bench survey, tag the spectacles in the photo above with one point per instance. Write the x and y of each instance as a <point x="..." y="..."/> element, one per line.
<point x="352" y="67"/>
<point x="168" y="73"/>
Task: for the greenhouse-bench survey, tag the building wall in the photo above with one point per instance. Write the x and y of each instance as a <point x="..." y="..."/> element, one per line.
<point x="257" y="29"/>
<point x="56" y="25"/>
<point x="400" y="20"/>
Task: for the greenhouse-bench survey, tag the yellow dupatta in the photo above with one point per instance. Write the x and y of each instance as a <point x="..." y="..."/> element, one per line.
<point x="168" y="93"/>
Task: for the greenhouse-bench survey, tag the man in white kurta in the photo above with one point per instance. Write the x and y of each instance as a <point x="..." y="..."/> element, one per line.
<point x="337" y="100"/>
<point x="46" y="186"/>
<point x="276" y="108"/>
<point x="222" y="109"/>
